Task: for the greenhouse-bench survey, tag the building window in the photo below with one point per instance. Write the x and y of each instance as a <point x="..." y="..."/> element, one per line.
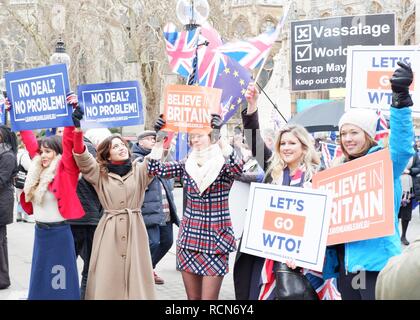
<point x="267" y="25"/>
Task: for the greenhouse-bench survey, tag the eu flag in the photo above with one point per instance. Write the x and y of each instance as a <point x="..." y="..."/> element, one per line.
<point x="233" y="80"/>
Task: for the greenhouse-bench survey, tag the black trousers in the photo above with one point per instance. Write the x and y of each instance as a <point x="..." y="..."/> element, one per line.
<point x="355" y="286"/>
<point x="83" y="240"/>
<point x="4" y="259"/>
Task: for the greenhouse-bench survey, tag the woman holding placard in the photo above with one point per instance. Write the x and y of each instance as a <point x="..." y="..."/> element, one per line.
<point x="292" y="163"/>
<point x="359" y="262"/>
<point x="120" y="266"/>
<point x="205" y="235"/>
<point x="50" y="195"/>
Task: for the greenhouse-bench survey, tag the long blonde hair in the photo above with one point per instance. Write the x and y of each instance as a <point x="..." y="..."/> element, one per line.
<point x="310" y="160"/>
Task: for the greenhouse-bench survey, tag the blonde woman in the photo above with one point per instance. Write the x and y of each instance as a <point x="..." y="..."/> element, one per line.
<point x="292" y="163"/>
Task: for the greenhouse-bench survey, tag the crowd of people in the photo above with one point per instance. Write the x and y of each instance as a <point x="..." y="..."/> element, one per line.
<point x="95" y="197"/>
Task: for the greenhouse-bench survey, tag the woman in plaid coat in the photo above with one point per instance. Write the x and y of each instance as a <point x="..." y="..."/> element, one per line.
<point x="205" y="235"/>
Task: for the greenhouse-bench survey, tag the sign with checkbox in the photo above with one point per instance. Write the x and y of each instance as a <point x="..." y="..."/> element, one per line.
<point x="319" y="47"/>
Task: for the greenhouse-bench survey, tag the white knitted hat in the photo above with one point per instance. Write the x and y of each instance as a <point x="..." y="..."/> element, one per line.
<point x="367" y="120"/>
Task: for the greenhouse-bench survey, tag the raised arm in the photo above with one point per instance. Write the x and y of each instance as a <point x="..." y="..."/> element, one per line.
<point x="156" y="167"/>
<point x="30" y="142"/>
<point x="401" y="122"/>
<point x="87" y="164"/>
<point x="252" y="129"/>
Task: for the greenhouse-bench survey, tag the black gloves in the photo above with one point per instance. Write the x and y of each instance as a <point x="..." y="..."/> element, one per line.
<point x="160" y="122"/>
<point x="77" y="116"/>
<point x="216" y="123"/>
<point x="400" y="82"/>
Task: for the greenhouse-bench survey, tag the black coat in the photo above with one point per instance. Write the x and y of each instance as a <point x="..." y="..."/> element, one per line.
<point x="88" y="197"/>
<point x="152" y="210"/>
<point x="415" y="173"/>
<point x="8" y="169"/>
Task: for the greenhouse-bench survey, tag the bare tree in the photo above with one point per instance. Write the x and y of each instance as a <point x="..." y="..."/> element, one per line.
<point x="109" y="40"/>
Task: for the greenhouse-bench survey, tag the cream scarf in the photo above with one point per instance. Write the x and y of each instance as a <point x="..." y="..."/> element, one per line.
<point x="38" y="179"/>
<point x="204" y="166"/>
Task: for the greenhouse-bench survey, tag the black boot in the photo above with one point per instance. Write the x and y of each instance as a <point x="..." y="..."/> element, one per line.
<point x="404" y="227"/>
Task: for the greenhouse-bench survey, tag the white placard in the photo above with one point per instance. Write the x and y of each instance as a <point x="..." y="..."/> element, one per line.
<point x="237" y="206"/>
<point x="284" y="223"/>
<point x="369" y="69"/>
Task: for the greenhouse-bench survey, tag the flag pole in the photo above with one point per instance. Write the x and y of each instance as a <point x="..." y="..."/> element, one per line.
<point x="274" y="105"/>
<point x="278" y="29"/>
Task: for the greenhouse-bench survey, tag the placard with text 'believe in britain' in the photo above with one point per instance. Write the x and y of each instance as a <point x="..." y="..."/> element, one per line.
<point x="287" y="223"/>
<point x="38" y="98"/>
<point x="319" y="47"/>
<point x="371" y="68"/>
<point x="363" y="198"/>
<point x="188" y="108"/>
<point x="110" y="105"/>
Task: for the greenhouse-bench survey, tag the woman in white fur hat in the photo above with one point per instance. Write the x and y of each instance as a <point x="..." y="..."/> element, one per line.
<point x="359" y="262"/>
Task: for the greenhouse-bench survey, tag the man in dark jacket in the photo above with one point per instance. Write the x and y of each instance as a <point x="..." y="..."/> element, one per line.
<point x="8" y="168"/>
<point x="158" y="210"/>
<point x="84" y="228"/>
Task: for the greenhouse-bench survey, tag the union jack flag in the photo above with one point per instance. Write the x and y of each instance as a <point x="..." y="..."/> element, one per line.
<point x="210" y="61"/>
<point x="180" y="48"/>
<point x="330" y="151"/>
<point x="381" y="127"/>
<point x="251" y="53"/>
<point x="326" y="289"/>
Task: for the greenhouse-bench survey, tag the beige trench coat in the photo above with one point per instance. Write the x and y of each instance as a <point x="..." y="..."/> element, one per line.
<point x="120" y="265"/>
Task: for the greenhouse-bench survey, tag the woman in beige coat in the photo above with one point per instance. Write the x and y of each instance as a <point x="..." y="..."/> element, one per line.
<point x="120" y="265"/>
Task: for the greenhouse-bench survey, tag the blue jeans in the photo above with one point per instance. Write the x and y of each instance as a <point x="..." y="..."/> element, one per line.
<point x="160" y="241"/>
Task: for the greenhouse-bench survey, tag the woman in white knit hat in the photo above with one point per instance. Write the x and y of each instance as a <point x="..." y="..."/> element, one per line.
<point x="359" y="262"/>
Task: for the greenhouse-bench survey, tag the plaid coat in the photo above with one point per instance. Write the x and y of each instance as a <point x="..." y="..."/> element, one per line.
<point x="206" y="226"/>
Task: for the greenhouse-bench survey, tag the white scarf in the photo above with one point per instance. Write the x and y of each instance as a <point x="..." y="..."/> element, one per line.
<point x="204" y="166"/>
<point x="38" y="179"/>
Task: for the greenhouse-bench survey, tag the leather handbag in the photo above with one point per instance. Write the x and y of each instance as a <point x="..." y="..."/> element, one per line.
<point x="291" y="284"/>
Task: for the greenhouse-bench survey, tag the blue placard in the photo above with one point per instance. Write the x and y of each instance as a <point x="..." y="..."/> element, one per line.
<point x="38" y="98"/>
<point x="2" y="110"/>
<point x="109" y="105"/>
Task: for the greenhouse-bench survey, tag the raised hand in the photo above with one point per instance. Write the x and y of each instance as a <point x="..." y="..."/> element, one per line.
<point x="251" y="96"/>
<point x="400" y="83"/>
<point x="77" y="116"/>
<point x="216" y="123"/>
<point x="160" y="123"/>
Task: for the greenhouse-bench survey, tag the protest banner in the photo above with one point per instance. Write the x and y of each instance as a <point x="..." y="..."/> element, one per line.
<point x="109" y="105"/>
<point x="190" y="107"/>
<point x="38" y="97"/>
<point x="369" y="71"/>
<point x="362" y="192"/>
<point x="284" y="223"/>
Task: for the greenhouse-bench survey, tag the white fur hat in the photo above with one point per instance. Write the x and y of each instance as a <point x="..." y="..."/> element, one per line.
<point x="367" y="120"/>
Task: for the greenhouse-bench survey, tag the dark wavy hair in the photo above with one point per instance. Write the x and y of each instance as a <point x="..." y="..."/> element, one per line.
<point x="51" y="142"/>
<point x="104" y="148"/>
<point x="8" y="137"/>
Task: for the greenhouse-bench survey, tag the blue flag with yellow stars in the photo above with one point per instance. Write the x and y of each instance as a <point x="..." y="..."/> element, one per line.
<point x="233" y="80"/>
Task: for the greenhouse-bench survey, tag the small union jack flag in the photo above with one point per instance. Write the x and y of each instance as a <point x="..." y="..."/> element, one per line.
<point x="381" y="127"/>
<point x="326" y="289"/>
<point x="180" y="48"/>
<point x="330" y="151"/>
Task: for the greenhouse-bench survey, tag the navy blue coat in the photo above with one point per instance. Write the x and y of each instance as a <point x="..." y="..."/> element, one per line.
<point x="152" y="210"/>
